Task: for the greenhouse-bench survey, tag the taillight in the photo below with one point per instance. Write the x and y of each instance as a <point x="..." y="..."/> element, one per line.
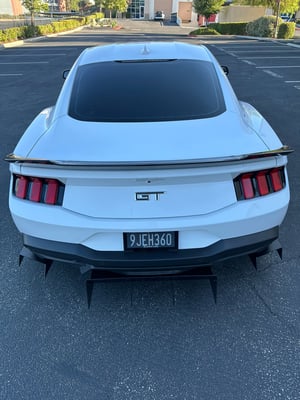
<point x="259" y="183"/>
<point x="39" y="190"/>
<point x="35" y="189"/>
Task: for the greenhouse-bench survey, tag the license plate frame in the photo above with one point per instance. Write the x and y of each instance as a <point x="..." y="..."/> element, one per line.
<point x="166" y="240"/>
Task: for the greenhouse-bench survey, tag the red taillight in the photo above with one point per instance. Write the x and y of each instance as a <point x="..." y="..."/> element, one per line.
<point x="40" y="190"/>
<point x="35" y="189"/>
<point x="51" y="191"/>
<point x="259" y="183"/>
<point x="262" y="183"/>
<point x="276" y="179"/>
<point x="20" y="186"/>
<point x="247" y="186"/>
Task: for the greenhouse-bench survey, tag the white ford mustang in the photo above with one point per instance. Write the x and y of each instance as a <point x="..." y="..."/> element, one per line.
<point x="148" y="164"/>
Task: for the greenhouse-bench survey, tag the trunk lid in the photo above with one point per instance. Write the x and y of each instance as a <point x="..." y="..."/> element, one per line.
<point x="71" y="140"/>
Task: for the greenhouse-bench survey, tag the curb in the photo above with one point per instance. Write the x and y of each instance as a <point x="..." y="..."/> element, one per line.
<point x="21" y="42"/>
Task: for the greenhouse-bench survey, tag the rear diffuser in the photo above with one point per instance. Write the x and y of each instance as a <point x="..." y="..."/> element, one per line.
<point x="99" y="276"/>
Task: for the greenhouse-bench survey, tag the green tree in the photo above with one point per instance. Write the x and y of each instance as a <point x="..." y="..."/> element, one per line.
<point x="278" y="7"/>
<point x="285" y="6"/>
<point x="34" y="6"/>
<point x="116" y="5"/>
<point x="207" y="7"/>
<point x="121" y="5"/>
<point x="72" y="5"/>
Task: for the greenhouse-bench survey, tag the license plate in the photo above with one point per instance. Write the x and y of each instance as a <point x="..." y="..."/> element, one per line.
<point x="150" y="240"/>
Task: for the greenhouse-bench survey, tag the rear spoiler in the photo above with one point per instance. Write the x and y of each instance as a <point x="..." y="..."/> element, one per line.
<point x="282" y="151"/>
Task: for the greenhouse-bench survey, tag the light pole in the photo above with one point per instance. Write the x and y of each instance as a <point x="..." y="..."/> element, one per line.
<point x="277" y="18"/>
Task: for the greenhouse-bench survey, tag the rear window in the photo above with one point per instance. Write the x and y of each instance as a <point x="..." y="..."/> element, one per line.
<point x="146" y="91"/>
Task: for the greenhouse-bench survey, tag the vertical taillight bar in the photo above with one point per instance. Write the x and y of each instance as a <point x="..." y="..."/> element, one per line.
<point x="51" y="191"/>
<point x="276" y="179"/>
<point x="20" y="186"/>
<point x="35" y="189"/>
<point x="262" y="183"/>
<point x="246" y="181"/>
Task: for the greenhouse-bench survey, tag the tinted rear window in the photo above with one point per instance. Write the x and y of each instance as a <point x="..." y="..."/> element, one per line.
<point x="146" y="91"/>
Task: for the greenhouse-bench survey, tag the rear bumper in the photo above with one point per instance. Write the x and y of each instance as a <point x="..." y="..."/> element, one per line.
<point x="151" y="261"/>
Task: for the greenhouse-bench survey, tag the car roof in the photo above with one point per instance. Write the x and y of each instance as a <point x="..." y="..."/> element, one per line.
<point x="144" y="51"/>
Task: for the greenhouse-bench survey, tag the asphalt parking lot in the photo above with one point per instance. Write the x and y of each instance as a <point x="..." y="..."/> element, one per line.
<point x="151" y="340"/>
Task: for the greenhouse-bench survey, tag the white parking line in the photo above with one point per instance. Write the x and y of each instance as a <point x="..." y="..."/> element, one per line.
<point x="285" y="57"/>
<point x="292" y="81"/>
<point x="263" y="51"/>
<point x="11" y="74"/>
<point x="247" y="62"/>
<point x="272" y="73"/>
<point x="279" y="66"/>
<point x="24" y="62"/>
<point x="33" y="55"/>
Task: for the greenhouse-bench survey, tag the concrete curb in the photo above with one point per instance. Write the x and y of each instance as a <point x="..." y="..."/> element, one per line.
<point x="21" y="42"/>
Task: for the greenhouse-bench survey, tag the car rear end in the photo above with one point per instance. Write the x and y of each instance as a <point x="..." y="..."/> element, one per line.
<point x="164" y="184"/>
<point x="149" y="219"/>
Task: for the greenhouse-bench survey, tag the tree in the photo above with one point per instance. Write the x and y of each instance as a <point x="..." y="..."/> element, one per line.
<point x="117" y="5"/>
<point x="72" y="5"/>
<point x="285" y="6"/>
<point x="34" y="6"/>
<point x="278" y="7"/>
<point x="207" y="7"/>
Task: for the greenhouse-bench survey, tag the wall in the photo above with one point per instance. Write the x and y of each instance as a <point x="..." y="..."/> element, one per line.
<point x="158" y="5"/>
<point x="185" y="9"/>
<point x="241" y="13"/>
<point x="11" y="7"/>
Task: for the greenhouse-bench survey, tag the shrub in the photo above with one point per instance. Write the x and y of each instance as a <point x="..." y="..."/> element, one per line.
<point x="204" y="31"/>
<point x="89" y="18"/>
<point x="43" y="30"/>
<point x="262" y="27"/>
<point x="11" y="34"/>
<point x="286" y="30"/>
<point x="230" y="28"/>
<point x="30" y="31"/>
<point x="24" y="32"/>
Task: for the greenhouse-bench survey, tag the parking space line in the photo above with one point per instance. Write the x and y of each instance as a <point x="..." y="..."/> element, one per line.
<point x="11" y="74"/>
<point x="247" y="45"/>
<point x="24" y="62"/>
<point x="279" y="66"/>
<point x="267" y="58"/>
<point x="264" y="51"/>
<point x="272" y="73"/>
<point x="247" y="62"/>
<point x="33" y="55"/>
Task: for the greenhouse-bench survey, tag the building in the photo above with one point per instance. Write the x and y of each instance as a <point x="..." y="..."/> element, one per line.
<point x="182" y="11"/>
<point x="11" y="7"/>
<point x="146" y="9"/>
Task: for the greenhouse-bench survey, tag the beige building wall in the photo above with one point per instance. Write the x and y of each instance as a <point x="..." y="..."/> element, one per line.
<point x="185" y="11"/>
<point x="241" y="13"/>
<point x="165" y="6"/>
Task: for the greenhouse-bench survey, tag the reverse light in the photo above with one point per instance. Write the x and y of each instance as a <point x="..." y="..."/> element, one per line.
<point x="39" y="190"/>
<point x="259" y="183"/>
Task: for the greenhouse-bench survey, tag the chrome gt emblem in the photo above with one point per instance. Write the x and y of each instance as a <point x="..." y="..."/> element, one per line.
<point x="146" y="196"/>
